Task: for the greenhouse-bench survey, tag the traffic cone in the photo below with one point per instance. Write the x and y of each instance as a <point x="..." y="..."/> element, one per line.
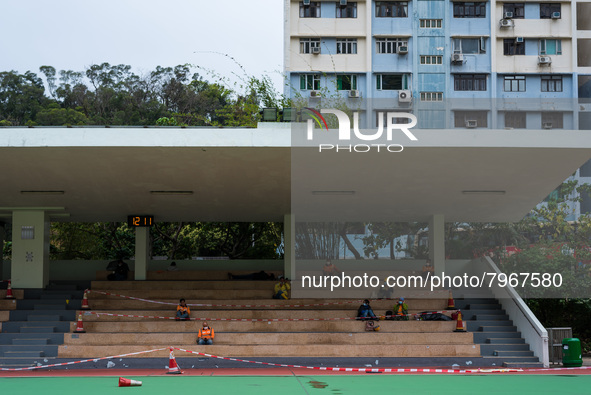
<point x="450" y="302"/>
<point x="460" y="323"/>
<point x="79" y="325"/>
<point x="85" y="305"/>
<point x="9" y="294"/>
<point x="123" y="382"/>
<point x="173" y="368"/>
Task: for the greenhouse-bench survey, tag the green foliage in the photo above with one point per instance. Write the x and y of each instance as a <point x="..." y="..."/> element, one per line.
<point x="60" y="117"/>
<point x="4" y="122"/>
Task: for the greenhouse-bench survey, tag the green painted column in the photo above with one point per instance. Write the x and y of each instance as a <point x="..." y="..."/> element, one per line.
<point x="30" y="249"/>
<point x="437" y="242"/>
<point x="142" y="252"/>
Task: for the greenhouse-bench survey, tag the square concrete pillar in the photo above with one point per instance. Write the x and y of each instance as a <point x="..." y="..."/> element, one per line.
<point x="30" y="249"/>
<point x="142" y="252"/>
<point x="289" y="246"/>
<point x="437" y="243"/>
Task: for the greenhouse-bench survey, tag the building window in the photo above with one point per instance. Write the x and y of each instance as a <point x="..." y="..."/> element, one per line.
<point x="430" y="23"/>
<point x="346" y="82"/>
<point x="551" y="83"/>
<point x="383" y="114"/>
<point x="470" y="10"/>
<point x="470" y="82"/>
<point x="431" y="59"/>
<point x="514" y="83"/>
<point x="306" y="44"/>
<point x="552" y="120"/>
<point x="347" y="11"/>
<point x="309" y="82"/>
<point x="469" y="45"/>
<point x="431" y="96"/>
<point x="391" y="82"/>
<point x="515" y="119"/>
<point x="391" y="9"/>
<point x="389" y="45"/>
<point x="310" y="11"/>
<point x="478" y="119"/>
<point x="512" y="46"/>
<point x="518" y="10"/>
<point x="547" y="9"/>
<point x="550" y="47"/>
<point x="347" y="46"/>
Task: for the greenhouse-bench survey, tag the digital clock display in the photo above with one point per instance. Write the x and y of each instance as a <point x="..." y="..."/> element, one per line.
<point x="135" y="221"/>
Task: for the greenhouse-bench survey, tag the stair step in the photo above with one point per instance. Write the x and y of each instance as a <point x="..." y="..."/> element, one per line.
<point x="497" y="328"/>
<point x="37" y="329"/>
<point x="523" y="364"/>
<point x="23" y="354"/>
<point x="30" y="342"/>
<point x="49" y="296"/>
<point x="39" y="317"/>
<point x="505" y="340"/>
<point x="491" y="349"/>
<point x="502" y="360"/>
<point x="484" y="306"/>
<point x="49" y="306"/>
<point x="507" y="353"/>
<point x="491" y="317"/>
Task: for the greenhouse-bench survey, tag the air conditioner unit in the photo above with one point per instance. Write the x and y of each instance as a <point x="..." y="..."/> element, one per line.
<point x="471" y="123"/>
<point x="354" y="93"/>
<point x="315" y="50"/>
<point x="306" y="2"/>
<point x="556" y="15"/>
<point x="544" y="60"/>
<point x="507" y="23"/>
<point x="402" y="50"/>
<point x="314" y="93"/>
<point x="457" y="58"/>
<point x="405" y="96"/>
<point x="547" y="125"/>
<point x="519" y="39"/>
<point x="508" y="15"/>
<point x="343" y="3"/>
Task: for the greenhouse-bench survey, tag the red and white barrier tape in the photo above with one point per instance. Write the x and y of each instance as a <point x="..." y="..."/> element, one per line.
<point x="84" y="360"/>
<point x="227" y="305"/>
<point x="249" y="319"/>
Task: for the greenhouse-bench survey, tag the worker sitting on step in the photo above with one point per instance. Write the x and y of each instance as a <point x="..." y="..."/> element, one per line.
<point x="182" y="311"/>
<point x="401" y="310"/>
<point x="281" y="289"/>
<point x="205" y="335"/>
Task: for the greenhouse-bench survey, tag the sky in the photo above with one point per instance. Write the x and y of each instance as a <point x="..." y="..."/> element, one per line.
<point x="71" y="35"/>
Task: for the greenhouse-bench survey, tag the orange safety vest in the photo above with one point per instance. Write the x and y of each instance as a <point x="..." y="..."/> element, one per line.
<point x="183" y="309"/>
<point x="206" y="333"/>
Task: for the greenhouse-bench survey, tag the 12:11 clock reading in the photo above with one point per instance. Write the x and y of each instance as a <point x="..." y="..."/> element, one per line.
<point x="135" y="221"/>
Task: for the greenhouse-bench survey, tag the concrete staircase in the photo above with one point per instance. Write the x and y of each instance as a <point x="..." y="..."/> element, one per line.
<point x="500" y="342"/>
<point x="109" y="335"/>
<point x="36" y="327"/>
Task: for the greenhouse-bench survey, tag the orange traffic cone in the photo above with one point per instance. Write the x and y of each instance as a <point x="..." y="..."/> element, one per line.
<point x="450" y="301"/>
<point x="173" y="368"/>
<point x="85" y="305"/>
<point x="79" y="325"/>
<point x="460" y="323"/>
<point x="9" y="294"/>
<point x="123" y="382"/>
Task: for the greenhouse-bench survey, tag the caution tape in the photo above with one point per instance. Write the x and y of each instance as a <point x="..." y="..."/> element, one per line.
<point x="228" y="305"/>
<point x="366" y="370"/>
<point x="386" y="317"/>
<point x="83" y="361"/>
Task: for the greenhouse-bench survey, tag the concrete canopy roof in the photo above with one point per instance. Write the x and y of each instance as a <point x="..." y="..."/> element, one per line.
<point x="247" y="174"/>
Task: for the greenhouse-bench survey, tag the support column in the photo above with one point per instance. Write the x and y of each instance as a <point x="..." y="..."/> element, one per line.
<point x="30" y="249"/>
<point x="289" y="244"/>
<point x="437" y="242"/>
<point x="142" y="252"/>
<point x="2" y="238"/>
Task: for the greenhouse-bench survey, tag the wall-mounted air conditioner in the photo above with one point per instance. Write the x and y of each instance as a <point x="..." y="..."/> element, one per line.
<point x="519" y="39"/>
<point x="402" y="50"/>
<point x="315" y="50"/>
<point x="314" y="93"/>
<point x="306" y="2"/>
<point x="405" y="96"/>
<point x="508" y="15"/>
<point x="471" y="123"/>
<point x="354" y="93"/>
<point x="544" y="60"/>
<point x="507" y="23"/>
<point x="342" y="3"/>
<point x="547" y="125"/>
<point x="457" y="58"/>
<point x="556" y="15"/>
